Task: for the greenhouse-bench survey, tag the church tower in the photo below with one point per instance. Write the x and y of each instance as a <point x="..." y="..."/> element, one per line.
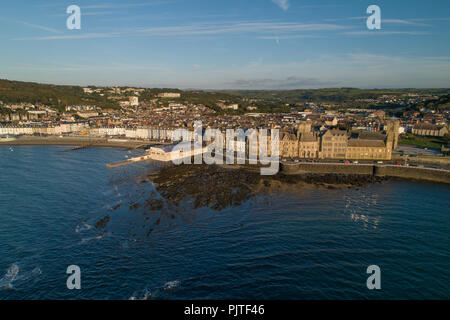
<point x="392" y="132"/>
<point x="303" y="127"/>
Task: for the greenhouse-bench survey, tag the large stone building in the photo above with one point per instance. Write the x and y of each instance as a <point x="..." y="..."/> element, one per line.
<point x="309" y="145"/>
<point x="334" y="144"/>
<point x="339" y="144"/>
<point x="361" y="149"/>
<point x="288" y="145"/>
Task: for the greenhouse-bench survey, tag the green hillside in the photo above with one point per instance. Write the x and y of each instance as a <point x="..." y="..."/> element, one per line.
<point x="52" y="95"/>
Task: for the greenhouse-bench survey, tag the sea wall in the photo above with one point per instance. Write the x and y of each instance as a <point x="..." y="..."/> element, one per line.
<point x="436" y="175"/>
<point x="426" y="160"/>
<point x="324" y="168"/>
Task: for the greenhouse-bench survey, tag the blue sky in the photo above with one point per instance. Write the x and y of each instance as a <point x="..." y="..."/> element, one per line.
<point x="223" y="44"/>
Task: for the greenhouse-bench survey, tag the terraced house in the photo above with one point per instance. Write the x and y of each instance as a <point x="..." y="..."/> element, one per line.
<point x="428" y="129"/>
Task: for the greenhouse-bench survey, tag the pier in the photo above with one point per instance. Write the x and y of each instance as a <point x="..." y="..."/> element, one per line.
<point x="161" y="155"/>
<point x="147" y="158"/>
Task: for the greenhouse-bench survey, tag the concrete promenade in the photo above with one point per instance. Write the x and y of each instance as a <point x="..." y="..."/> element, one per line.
<point x="417" y="173"/>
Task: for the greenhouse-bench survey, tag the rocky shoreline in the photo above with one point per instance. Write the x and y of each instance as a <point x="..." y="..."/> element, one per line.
<point x="177" y="190"/>
<point x="219" y="187"/>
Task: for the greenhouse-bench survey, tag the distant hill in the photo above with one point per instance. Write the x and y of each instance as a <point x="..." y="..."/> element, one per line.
<point x="59" y="96"/>
<point x="53" y="95"/>
<point x="332" y="95"/>
<point x="442" y="103"/>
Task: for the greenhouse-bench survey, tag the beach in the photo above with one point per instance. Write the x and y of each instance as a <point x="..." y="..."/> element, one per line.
<point x="76" y="141"/>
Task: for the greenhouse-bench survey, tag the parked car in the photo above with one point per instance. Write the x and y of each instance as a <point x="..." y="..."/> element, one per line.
<point x="347" y="162"/>
<point x="399" y="164"/>
<point x="380" y="162"/>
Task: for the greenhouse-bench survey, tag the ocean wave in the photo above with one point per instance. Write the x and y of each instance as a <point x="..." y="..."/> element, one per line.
<point x="36" y="272"/>
<point x="142" y="295"/>
<point x="12" y="275"/>
<point x="171" y="285"/>
<point x="157" y="292"/>
<point x="9" y="277"/>
<point x="99" y="237"/>
<point x="83" y="226"/>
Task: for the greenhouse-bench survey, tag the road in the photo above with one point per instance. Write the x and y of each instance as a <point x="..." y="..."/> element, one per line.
<point x="365" y="162"/>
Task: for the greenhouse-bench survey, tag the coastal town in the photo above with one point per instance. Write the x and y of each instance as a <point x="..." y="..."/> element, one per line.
<point x="225" y="159"/>
<point x="355" y="129"/>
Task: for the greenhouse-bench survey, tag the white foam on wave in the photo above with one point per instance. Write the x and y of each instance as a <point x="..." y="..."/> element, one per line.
<point x="99" y="237"/>
<point x="146" y="294"/>
<point x="83" y="226"/>
<point x="113" y="206"/>
<point x="171" y="285"/>
<point x="36" y="272"/>
<point x="143" y="295"/>
<point x="9" y="277"/>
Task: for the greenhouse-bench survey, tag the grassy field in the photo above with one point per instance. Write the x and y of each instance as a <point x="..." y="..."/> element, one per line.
<point x="427" y="142"/>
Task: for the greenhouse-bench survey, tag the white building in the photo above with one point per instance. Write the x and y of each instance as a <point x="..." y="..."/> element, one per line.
<point x="169" y="95"/>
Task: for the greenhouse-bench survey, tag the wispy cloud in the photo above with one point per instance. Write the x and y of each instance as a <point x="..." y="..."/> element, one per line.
<point x="385" y="33"/>
<point x="71" y="36"/>
<point x="90" y="13"/>
<point x="365" y="57"/>
<point x="405" y="22"/>
<point x="32" y="25"/>
<point x="430" y="19"/>
<point x="411" y="22"/>
<point x="286" y="83"/>
<point x="36" y="26"/>
<point x="84" y="68"/>
<point x="292" y="36"/>
<point x="283" y="4"/>
<point x="242" y="27"/>
<point x="378" y="60"/>
<point x="111" y="5"/>
<point x="125" y="5"/>
<point x="278" y="29"/>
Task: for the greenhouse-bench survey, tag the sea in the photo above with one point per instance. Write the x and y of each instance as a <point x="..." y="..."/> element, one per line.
<point x="61" y="208"/>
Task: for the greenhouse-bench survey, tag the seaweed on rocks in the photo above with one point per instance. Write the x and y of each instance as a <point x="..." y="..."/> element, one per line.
<point x="101" y="224"/>
<point x="219" y="187"/>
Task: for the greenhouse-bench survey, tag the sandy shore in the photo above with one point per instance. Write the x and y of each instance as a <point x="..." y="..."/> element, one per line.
<point x="75" y="141"/>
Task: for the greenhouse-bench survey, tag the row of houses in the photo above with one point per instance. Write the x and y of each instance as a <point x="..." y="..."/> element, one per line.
<point x="305" y="143"/>
<point x="428" y="129"/>
<point x="133" y="133"/>
<point x="81" y="127"/>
